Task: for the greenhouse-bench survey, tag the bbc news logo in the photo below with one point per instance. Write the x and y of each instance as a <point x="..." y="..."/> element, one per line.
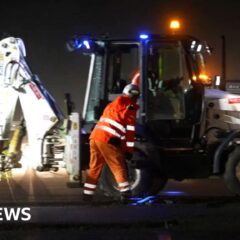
<point x="15" y="214"/>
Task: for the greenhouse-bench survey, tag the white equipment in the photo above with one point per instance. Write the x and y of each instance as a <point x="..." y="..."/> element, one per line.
<point x="42" y="117"/>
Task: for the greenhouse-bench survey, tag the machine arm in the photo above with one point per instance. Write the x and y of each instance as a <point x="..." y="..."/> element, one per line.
<point x="41" y="113"/>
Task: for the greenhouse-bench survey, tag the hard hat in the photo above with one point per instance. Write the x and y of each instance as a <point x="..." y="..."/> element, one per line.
<point x="131" y="90"/>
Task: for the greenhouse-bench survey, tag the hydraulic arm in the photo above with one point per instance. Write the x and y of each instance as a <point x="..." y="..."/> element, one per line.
<point x="42" y="117"/>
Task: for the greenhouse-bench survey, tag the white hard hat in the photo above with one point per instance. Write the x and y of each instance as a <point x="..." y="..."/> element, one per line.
<point x="131" y="90"/>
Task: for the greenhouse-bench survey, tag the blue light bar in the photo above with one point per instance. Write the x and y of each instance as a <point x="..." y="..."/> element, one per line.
<point x="86" y="44"/>
<point x="78" y="44"/>
<point x="143" y="36"/>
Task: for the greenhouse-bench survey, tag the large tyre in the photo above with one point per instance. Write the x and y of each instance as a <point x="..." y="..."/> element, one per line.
<point x="232" y="171"/>
<point x="143" y="182"/>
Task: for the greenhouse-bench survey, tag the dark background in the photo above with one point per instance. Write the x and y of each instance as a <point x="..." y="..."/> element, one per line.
<point x="46" y="25"/>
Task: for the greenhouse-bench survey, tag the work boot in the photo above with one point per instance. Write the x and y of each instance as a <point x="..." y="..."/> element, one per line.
<point x="125" y="197"/>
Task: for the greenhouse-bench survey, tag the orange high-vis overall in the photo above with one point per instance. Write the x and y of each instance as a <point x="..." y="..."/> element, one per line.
<point x="117" y="121"/>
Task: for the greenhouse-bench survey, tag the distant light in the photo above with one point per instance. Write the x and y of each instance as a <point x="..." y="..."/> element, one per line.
<point x="208" y="49"/>
<point x="143" y="36"/>
<point x="193" y="44"/>
<point x="194" y="78"/>
<point x="174" y="24"/>
<point x="199" y="48"/>
<point x="218" y="80"/>
<point x="203" y="77"/>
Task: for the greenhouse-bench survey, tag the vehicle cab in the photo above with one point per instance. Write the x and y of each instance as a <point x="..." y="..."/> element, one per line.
<point x="172" y="78"/>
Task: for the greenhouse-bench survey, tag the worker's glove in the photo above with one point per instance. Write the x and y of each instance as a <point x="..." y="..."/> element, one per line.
<point x="128" y="156"/>
<point x="115" y="141"/>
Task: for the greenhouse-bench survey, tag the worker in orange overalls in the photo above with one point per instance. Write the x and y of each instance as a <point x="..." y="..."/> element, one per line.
<point x="112" y="140"/>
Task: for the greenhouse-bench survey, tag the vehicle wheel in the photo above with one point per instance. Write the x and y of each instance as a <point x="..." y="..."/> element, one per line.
<point x="142" y="182"/>
<point x="232" y="171"/>
<point x="158" y="183"/>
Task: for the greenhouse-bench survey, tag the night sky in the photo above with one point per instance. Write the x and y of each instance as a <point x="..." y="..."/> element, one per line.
<point x="45" y="26"/>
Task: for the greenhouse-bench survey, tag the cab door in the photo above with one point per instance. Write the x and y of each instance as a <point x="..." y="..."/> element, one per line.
<point x="169" y="93"/>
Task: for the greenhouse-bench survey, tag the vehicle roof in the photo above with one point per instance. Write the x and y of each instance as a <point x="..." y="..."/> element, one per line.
<point x="176" y="37"/>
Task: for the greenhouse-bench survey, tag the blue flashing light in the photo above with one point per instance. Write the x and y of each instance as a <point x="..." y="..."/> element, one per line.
<point x="78" y="44"/>
<point x="86" y="44"/>
<point x="144" y="36"/>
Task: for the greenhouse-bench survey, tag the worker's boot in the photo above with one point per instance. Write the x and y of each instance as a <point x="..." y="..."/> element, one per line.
<point x="125" y="197"/>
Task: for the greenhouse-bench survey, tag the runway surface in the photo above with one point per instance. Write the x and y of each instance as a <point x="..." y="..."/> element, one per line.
<point x="191" y="209"/>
